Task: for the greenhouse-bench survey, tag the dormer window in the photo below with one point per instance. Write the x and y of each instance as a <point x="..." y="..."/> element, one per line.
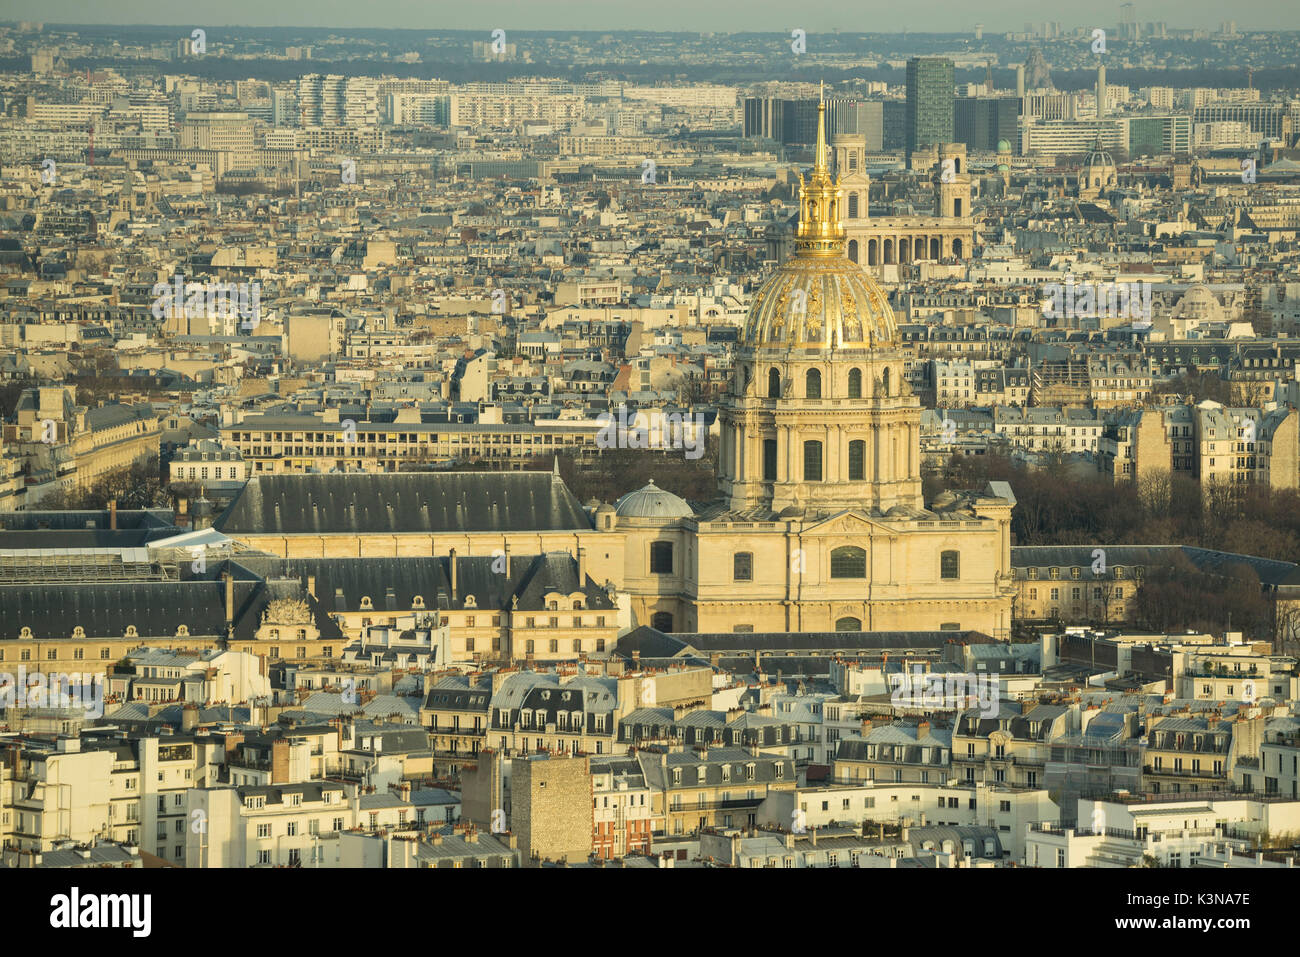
<point x="78" y="632"/>
<point x="366" y="603"/>
<point x="416" y="602"/>
<point x="182" y="631"/>
<point x="131" y="632"/>
<point x="471" y="601"/>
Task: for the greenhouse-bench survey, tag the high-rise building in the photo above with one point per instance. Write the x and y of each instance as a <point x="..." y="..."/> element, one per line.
<point x="981" y="122"/>
<point x="930" y="97"/>
<point x="893" y="126"/>
<point x="795" y="121"/>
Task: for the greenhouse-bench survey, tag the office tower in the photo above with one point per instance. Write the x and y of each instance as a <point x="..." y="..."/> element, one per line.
<point x="893" y="125"/>
<point x="980" y="122"/>
<point x="930" y="97"/>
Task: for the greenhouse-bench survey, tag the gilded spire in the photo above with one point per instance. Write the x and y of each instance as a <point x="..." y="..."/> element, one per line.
<point x="821" y="222"/>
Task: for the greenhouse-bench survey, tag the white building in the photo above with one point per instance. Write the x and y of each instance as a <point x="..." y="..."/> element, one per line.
<point x="281" y="826"/>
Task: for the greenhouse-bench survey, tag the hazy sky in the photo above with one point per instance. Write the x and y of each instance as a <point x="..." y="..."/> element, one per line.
<point x="670" y="15"/>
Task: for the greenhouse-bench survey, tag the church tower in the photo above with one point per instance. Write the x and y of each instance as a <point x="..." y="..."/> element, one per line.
<point x="952" y="182"/>
<point x="850" y="150"/>
<point x="818" y="417"/>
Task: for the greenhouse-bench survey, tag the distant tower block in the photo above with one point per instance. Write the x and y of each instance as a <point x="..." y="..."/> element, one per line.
<point x="1101" y="91"/>
<point x="1020" y="80"/>
<point x="979" y="31"/>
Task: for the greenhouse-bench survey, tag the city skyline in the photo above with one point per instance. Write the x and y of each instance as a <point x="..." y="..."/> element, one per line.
<point x="772" y="16"/>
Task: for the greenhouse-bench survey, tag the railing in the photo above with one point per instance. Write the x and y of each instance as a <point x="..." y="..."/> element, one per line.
<point x="1181" y="772"/>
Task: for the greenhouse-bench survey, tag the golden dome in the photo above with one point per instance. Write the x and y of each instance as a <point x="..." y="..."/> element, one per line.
<point x="819" y="298"/>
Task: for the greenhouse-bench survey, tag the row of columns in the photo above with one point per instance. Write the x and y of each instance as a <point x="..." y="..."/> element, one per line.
<point x="883" y="460"/>
<point x="901" y="250"/>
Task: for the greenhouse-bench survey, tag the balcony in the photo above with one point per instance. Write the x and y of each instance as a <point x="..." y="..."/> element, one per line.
<point x="1181" y="772"/>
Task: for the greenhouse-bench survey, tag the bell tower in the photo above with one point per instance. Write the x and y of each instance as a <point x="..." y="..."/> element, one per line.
<point x="952" y="182"/>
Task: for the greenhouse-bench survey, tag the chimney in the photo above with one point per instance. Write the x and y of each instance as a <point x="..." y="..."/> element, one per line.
<point x="112" y="514"/>
<point x="812" y="833"/>
<point x="311" y="585"/>
<point x="866" y="726"/>
<point x="451" y="562"/>
<point x="922" y="730"/>
<point x="280" y="761"/>
<point x="230" y="597"/>
<point x="582" y="567"/>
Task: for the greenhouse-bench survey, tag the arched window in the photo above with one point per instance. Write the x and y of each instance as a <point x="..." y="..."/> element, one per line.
<point x="774" y="383"/>
<point x="853" y="250"/>
<point x="661" y="621"/>
<point x="848" y="624"/>
<point x="950" y="565"/>
<point x="812" y="461"/>
<point x="855" y="383"/>
<point x="769" y="460"/>
<point x="661" y="558"/>
<point x="853" y="205"/>
<point x="885" y="379"/>
<point x="956" y="243"/>
<point x="849" y="561"/>
<point x="857" y="460"/>
<point x="813" y="384"/>
<point x="742" y="567"/>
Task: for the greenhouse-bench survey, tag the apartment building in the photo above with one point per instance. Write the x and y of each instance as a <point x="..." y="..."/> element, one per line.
<point x="290" y="825"/>
<point x="711" y="787"/>
<point x="622" y="809"/>
<point x="132" y="791"/>
<point x="1279" y="763"/>
<point x="1011" y="748"/>
<point x="1188" y="753"/>
<point x="895" y="752"/>
<point x="1007" y="810"/>
<point x="64" y="446"/>
<point x="1207" y="442"/>
<point x="286" y="444"/>
<point x="1170" y="832"/>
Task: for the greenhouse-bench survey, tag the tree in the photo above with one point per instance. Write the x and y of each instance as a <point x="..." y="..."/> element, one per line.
<point x="136" y="487"/>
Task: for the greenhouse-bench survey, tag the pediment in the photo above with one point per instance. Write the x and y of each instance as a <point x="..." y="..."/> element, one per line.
<point x="850" y="522"/>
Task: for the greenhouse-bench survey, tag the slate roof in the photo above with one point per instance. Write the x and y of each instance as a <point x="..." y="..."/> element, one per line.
<point x="1270" y="571"/>
<point x="649" y="641"/>
<point x="76" y="520"/>
<point x="531" y="577"/>
<point x="418" y="502"/>
<point x="155" y="608"/>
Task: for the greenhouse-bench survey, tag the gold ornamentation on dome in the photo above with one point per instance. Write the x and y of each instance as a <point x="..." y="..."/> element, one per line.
<point x="814" y="321"/>
<point x="820" y="230"/>
<point x="849" y="309"/>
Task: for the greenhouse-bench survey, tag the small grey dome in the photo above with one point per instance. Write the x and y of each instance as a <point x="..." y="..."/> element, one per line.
<point x="652" y="502"/>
